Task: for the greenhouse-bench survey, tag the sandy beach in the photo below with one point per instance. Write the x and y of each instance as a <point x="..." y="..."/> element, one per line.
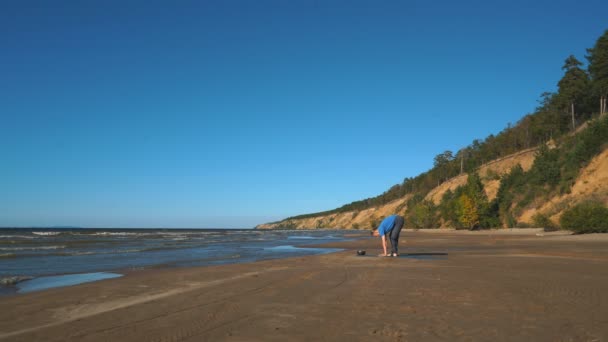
<point x="453" y="286"/>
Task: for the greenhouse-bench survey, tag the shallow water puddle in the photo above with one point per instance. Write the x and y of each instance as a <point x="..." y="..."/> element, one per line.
<point x="43" y="283"/>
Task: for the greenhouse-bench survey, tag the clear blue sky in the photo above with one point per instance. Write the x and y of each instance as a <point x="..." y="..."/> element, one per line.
<point x="234" y="113"/>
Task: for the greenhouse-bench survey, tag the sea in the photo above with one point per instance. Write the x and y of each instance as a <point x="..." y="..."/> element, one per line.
<point x="30" y="257"/>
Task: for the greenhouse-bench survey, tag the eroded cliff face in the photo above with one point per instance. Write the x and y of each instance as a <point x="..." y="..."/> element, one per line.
<point x="592" y="183"/>
<point x="489" y="173"/>
<point x="351" y="220"/>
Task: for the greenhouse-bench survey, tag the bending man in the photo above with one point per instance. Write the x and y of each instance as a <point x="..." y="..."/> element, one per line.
<point x="390" y="226"/>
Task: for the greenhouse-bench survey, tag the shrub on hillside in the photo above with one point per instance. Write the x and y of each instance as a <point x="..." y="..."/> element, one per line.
<point x="423" y="215"/>
<point x="542" y="221"/>
<point x="492" y="175"/>
<point x="546" y="167"/>
<point x="586" y="217"/>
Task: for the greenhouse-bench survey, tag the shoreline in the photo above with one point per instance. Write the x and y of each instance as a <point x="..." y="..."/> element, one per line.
<point x="505" y="287"/>
<point x="212" y="247"/>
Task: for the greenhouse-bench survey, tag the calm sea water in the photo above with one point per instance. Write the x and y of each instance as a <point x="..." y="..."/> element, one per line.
<point x="41" y="252"/>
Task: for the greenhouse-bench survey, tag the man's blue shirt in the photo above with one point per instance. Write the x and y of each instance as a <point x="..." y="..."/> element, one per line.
<point x="387" y="225"/>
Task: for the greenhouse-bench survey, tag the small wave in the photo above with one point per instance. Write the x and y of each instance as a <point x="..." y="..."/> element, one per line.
<point x="117" y="251"/>
<point x="46" y="233"/>
<point x="30" y="248"/>
<point x="113" y="252"/>
<point x="8" y="281"/>
<point x="73" y="253"/>
<point x="162" y="248"/>
<point x="83" y="253"/>
<point x="7" y="255"/>
<point x="178" y="233"/>
<point x="192" y="234"/>
<point x="326" y="237"/>
<point x="282" y="248"/>
<point x="120" y="251"/>
<point x="16" y="237"/>
<point x="118" y="234"/>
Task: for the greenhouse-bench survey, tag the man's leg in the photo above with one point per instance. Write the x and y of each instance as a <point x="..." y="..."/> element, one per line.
<point x="394" y="237"/>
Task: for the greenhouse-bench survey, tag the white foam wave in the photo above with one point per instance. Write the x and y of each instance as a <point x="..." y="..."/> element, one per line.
<point x="46" y="233"/>
<point x="118" y="234"/>
<point x="189" y="233"/>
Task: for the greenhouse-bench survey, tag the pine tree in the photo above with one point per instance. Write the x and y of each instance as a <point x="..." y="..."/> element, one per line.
<point x="598" y="70"/>
<point x="573" y="86"/>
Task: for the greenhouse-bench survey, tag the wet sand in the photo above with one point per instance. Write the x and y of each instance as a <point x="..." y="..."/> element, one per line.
<point x="455" y="287"/>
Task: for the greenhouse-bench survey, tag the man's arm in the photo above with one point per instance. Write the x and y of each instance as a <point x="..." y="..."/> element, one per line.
<point x="384" y="243"/>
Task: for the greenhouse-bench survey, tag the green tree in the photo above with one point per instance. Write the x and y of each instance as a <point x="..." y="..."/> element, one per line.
<point x="487" y="212"/>
<point x="474" y="188"/>
<point x="448" y="208"/>
<point x="548" y="122"/>
<point x="423" y="215"/>
<point x="442" y="162"/>
<point x="511" y="184"/>
<point x="574" y="86"/>
<point x="546" y="168"/>
<point x="598" y="70"/>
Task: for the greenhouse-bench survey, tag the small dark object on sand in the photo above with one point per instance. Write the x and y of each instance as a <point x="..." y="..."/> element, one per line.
<point x="360" y="252"/>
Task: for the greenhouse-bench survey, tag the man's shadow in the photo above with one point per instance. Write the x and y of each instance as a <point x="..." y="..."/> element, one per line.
<point x="421" y="254"/>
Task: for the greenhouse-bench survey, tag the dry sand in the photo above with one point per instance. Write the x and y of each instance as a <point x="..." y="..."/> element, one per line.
<point x="489" y="287"/>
